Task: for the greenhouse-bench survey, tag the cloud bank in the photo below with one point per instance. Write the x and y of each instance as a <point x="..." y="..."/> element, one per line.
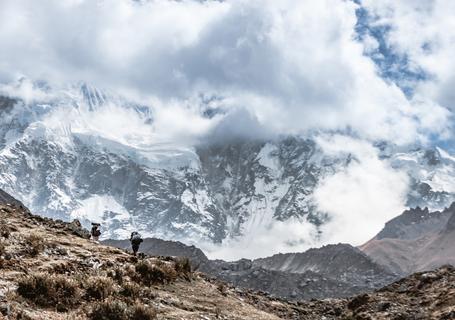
<point x="267" y="67"/>
<point x="362" y="196"/>
<point x="295" y="66"/>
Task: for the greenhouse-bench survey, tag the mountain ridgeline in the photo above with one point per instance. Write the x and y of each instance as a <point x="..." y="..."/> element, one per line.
<point x="210" y="192"/>
<point x="417" y="240"/>
<point x="55" y="272"/>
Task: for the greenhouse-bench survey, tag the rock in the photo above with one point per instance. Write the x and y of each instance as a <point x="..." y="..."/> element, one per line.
<point x="384" y="306"/>
<point x="358" y="301"/>
<point x="4" y="309"/>
<point x="76" y="228"/>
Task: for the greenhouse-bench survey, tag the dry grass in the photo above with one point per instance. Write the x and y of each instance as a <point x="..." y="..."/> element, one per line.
<point x="141" y="312"/>
<point x="222" y="288"/>
<point x="117" y="275"/>
<point x="2" y="248"/>
<point x="131" y="290"/>
<point x="49" y="290"/>
<point x="108" y="310"/>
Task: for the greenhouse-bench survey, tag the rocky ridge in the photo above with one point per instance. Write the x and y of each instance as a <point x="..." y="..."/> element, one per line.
<point x="211" y="192"/>
<point x="92" y="273"/>
<point x="417" y="240"/>
<point x="328" y="272"/>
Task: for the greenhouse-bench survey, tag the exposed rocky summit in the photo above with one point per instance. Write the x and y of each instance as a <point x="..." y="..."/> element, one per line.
<point x="63" y="164"/>
<point x="417" y="240"/>
<point x="415" y="222"/>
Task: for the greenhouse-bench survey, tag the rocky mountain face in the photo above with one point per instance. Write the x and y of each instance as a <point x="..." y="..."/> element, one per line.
<point x="341" y="262"/>
<point x="415" y="222"/>
<point x="72" y="171"/>
<point x="6" y="199"/>
<point x="328" y="272"/>
<point x="331" y="271"/>
<point x="49" y="271"/>
<point x="63" y="162"/>
<point x="415" y="241"/>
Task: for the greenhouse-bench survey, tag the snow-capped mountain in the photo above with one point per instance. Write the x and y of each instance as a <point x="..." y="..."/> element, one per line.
<point x="61" y="158"/>
<point x="431" y="172"/>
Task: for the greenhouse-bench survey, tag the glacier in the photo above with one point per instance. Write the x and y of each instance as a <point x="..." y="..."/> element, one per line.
<point x="82" y="153"/>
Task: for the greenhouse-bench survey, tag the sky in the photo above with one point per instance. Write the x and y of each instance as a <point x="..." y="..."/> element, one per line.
<point x="380" y="69"/>
<point x="363" y="70"/>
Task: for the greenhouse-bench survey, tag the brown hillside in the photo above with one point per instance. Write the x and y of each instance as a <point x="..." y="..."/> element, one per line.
<point x="49" y="270"/>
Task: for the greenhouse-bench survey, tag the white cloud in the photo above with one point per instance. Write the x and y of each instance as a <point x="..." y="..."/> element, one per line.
<point x="294" y="65"/>
<point x="360" y="197"/>
<point x="281" y="236"/>
<point x="424" y="31"/>
<point x="275" y="67"/>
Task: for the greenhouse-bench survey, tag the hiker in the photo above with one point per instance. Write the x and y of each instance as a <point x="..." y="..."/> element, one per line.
<point x="95" y="233"/>
<point x="136" y="240"/>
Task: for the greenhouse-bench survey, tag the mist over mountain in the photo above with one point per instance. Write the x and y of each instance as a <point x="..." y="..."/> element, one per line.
<point x="245" y="127"/>
<point x="71" y="156"/>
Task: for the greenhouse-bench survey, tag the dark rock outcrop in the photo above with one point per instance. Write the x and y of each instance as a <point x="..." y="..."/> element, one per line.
<point x="413" y="223"/>
<point x="6" y="199"/>
<point x="159" y="247"/>
<point x="342" y="262"/>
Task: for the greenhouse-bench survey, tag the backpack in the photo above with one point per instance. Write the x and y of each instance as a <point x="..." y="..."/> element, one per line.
<point x="136" y="238"/>
<point x="96" y="232"/>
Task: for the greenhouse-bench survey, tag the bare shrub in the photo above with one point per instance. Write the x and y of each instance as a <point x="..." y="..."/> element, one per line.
<point x="117" y="310"/>
<point x="49" y="290"/>
<point x="158" y="273"/>
<point x="130" y="290"/>
<point x="4" y="230"/>
<point x="183" y="267"/>
<point x="34" y="244"/>
<point x="98" y="288"/>
<point x="141" y="312"/>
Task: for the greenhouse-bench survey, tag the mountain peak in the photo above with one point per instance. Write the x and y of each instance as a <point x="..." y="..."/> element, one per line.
<point x="412" y="223"/>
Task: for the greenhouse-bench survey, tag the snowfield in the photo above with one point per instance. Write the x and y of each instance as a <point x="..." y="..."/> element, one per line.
<point x="81" y="153"/>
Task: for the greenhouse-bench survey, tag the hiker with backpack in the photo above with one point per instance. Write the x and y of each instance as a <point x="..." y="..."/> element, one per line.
<point x="95" y="232"/>
<point x="135" y="240"/>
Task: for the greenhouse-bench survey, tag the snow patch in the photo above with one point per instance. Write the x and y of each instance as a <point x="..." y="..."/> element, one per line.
<point x="114" y="218"/>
